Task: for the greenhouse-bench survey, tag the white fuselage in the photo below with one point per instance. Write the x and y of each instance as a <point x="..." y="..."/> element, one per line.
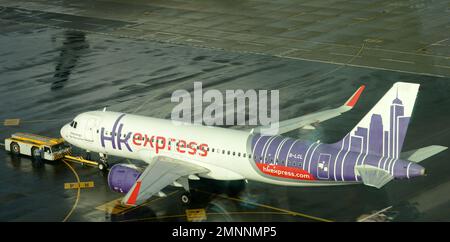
<point x="224" y="152"/>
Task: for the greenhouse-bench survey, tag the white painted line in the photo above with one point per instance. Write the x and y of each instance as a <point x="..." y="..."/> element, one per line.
<point x="264" y="54"/>
<point x="194" y="40"/>
<point x="292" y="50"/>
<point x="448" y="67"/>
<point x="401" y="61"/>
<point x="60" y="20"/>
<point x="362" y="66"/>
<point x="251" y="43"/>
<point x="439" y="42"/>
<point x="333" y="53"/>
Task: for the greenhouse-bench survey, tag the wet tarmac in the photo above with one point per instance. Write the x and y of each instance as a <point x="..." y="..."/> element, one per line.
<point x="55" y="64"/>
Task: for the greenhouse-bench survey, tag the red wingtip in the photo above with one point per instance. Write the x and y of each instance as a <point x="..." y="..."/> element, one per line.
<point x="352" y="101"/>
<point x="134" y="194"/>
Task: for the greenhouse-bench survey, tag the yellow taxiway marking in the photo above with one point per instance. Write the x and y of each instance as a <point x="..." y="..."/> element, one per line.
<point x="156" y="217"/>
<point x="78" y="191"/>
<point x="75" y="185"/>
<point x="115" y="207"/>
<point x="195" y="215"/>
<point x="109" y="207"/>
<point x="150" y="201"/>
<point x="273" y="208"/>
<point x="11" y="122"/>
<point x="207" y="214"/>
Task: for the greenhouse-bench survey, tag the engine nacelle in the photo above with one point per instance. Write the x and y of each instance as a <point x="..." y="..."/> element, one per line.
<point x="121" y="177"/>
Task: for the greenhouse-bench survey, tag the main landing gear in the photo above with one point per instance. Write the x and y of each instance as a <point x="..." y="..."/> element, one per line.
<point x="186" y="198"/>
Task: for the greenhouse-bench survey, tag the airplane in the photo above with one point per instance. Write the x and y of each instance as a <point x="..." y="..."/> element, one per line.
<point x="369" y="154"/>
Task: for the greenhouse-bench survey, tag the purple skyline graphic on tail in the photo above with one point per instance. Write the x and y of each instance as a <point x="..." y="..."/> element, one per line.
<point x="372" y="145"/>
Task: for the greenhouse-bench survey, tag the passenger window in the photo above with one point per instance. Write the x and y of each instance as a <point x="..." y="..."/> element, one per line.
<point x="46" y="149"/>
<point x="243" y="155"/>
<point x="234" y="153"/>
<point x="212" y="149"/>
<point x="223" y="152"/>
<point x="75" y="125"/>
<point x="249" y="155"/>
<point x="239" y="154"/>
<point x="228" y="152"/>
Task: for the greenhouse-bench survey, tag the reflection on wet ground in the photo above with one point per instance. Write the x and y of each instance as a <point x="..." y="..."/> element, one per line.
<point x="49" y="75"/>
<point x="73" y="47"/>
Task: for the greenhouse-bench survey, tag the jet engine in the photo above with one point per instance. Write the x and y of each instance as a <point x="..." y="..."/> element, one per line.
<point x="121" y="177"/>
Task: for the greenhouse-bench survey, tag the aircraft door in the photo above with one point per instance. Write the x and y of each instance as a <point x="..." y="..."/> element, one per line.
<point x="90" y="129"/>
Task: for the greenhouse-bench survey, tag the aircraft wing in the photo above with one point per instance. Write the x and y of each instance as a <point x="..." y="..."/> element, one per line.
<point x="306" y="121"/>
<point x="161" y="172"/>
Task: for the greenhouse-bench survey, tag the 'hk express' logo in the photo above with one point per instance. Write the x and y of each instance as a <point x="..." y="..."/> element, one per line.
<point x="116" y="138"/>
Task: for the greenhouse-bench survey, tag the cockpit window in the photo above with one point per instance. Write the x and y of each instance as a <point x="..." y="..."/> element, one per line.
<point x="73" y="124"/>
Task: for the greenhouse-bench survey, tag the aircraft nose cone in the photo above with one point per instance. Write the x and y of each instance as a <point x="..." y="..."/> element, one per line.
<point x="415" y="170"/>
<point x="63" y="131"/>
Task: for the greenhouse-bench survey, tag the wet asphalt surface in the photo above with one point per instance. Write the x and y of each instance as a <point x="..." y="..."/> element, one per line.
<point x="49" y="75"/>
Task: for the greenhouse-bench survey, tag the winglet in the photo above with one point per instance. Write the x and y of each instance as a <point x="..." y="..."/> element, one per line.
<point x="354" y="98"/>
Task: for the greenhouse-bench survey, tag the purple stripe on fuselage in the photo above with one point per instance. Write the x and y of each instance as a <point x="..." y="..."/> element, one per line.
<point x="271" y="149"/>
<point x="283" y="153"/>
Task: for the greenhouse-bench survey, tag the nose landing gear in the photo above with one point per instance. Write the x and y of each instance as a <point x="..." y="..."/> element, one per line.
<point x="103" y="164"/>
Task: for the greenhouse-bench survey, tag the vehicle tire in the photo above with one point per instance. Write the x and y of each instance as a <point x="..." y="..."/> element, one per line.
<point x="186" y="198"/>
<point x="15" y="148"/>
<point x="36" y="153"/>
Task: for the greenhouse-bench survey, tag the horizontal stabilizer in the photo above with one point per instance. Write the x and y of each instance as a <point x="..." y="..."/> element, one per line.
<point x="423" y="153"/>
<point x="374" y="176"/>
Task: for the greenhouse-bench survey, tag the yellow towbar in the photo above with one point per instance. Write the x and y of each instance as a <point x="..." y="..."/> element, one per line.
<point x="80" y="159"/>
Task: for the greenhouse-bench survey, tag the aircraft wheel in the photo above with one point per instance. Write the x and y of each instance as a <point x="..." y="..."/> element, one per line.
<point x="102" y="166"/>
<point x="186" y="198"/>
<point x="15" y="148"/>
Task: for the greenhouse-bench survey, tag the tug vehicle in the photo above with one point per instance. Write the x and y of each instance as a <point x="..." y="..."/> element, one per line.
<point x="37" y="146"/>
